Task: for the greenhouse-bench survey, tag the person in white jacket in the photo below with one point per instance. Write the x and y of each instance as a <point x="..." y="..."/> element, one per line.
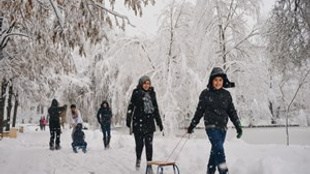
<point x="76" y="117"/>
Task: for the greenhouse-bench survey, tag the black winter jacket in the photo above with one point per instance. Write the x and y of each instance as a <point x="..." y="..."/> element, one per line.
<point x="104" y="115"/>
<point x="216" y="106"/>
<point x="78" y="138"/>
<point x="54" y="112"/>
<point x="142" y="122"/>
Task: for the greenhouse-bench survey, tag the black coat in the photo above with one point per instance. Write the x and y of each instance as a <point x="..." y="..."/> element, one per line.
<point x="104" y="115"/>
<point x="142" y="122"/>
<point x="216" y="106"/>
<point x="78" y="138"/>
<point x="54" y="113"/>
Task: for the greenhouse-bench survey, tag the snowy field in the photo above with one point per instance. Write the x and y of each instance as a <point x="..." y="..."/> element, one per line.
<point x="259" y="151"/>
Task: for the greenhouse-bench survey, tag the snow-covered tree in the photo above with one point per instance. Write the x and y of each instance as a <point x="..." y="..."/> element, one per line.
<point x="41" y="63"/>
<point x="174" y="75"/>
<point x="227" y="36"/>
<point x="288" y="35"/>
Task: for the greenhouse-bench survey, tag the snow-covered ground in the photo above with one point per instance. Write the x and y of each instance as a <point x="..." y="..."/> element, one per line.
<point x="259" y="151"/>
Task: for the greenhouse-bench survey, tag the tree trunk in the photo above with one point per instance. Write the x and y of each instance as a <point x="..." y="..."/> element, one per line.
<point x="1" y="52"/>
<point x="222" y="37"/>
<point x="290" y="104"/>
<point x="2" y="104"/>
<point x="273" y="119"/>
<point x="15" y="110"/>
<point x="9" y="108"/>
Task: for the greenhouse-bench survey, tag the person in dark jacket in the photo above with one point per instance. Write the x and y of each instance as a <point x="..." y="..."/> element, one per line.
<point x="104" y="116"/>
<point x="79" y="139"/>
<point x="54" y="112"/>
<point x="142" y="111"/>
<point x="216" y="106"/>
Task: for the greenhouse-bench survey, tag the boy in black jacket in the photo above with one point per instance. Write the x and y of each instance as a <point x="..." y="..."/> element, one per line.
<point x="216" y="105"/>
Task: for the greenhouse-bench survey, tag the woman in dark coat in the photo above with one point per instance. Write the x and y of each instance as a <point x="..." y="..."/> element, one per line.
<point x="104" y="117"/>
<point x="216" y="105"/>
<point x="142" y="111"/>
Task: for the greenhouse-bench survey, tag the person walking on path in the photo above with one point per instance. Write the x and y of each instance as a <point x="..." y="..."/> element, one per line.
<point x="216" y="106"/>
<point x="142" y="111"/>
<point x="54" y="112"/>
<point x="104" y="117"/>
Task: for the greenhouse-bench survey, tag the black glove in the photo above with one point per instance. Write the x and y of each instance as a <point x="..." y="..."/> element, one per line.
<point x="161" y="127"/>
<point x="239" y="129"/>
<point x="190" y="129"/>
<point x="128" y="124"/>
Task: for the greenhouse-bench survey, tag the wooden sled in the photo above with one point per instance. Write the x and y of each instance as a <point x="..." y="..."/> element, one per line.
<point x="160" y="166"/>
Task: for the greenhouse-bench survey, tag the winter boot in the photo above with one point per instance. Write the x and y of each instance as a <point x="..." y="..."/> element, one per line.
<point x="52" y="146"/>
<point x="105" y="142"/>
<point x="149" y="169"/>
<point x="108" y="141"/>
<point x="58" y="147"/>
<point x="138" y="162"/>
<point x="74" y="150"/>
<point x="223" y="168"/>
<point x="84" y="149"/>
<point x="107" y="147"/>
<point x="211" y="169"/>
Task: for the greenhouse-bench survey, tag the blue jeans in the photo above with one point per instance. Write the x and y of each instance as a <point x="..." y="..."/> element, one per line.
<point x="217" y="155"/>
<point x="106" y="130"/>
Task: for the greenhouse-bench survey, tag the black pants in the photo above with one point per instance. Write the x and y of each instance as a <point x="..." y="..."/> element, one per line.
<point x="147" y="140"/>
<point x="54" y="131"/>
<point x="106" y="130"/>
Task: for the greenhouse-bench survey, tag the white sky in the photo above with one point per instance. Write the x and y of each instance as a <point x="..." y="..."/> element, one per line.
<point x="148" y="23"/>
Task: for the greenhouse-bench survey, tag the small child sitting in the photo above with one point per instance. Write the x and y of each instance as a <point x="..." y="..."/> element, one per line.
<point x="79" y="139"/>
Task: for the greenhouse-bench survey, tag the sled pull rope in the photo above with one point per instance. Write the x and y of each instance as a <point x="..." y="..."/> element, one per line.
<point x="181" y="145"/>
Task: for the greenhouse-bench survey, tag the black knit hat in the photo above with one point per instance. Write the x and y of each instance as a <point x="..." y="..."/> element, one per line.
<point x="218" y="72"/>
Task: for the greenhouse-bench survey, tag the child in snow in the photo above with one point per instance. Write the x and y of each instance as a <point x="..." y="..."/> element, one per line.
<point x="142" y="111"/>
<point x="76" y="118"/>
<point x="215" y="104"/>
<point x="104" y="116"/>
<point x="44" y="123"/>
<point x="79" y="139"/>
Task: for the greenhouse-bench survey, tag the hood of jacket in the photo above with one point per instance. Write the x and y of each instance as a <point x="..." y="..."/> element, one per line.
<point x="54" y="102"/>
<point x="217" y="71"/>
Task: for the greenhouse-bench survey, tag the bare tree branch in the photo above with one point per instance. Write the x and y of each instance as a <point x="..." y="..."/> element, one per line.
<point x="115" y="14"/>
<point x="252" y="33"/>
<point x="289" y="106"/>
<point x="60" y="22"/>
<point x="147" y="55"/>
